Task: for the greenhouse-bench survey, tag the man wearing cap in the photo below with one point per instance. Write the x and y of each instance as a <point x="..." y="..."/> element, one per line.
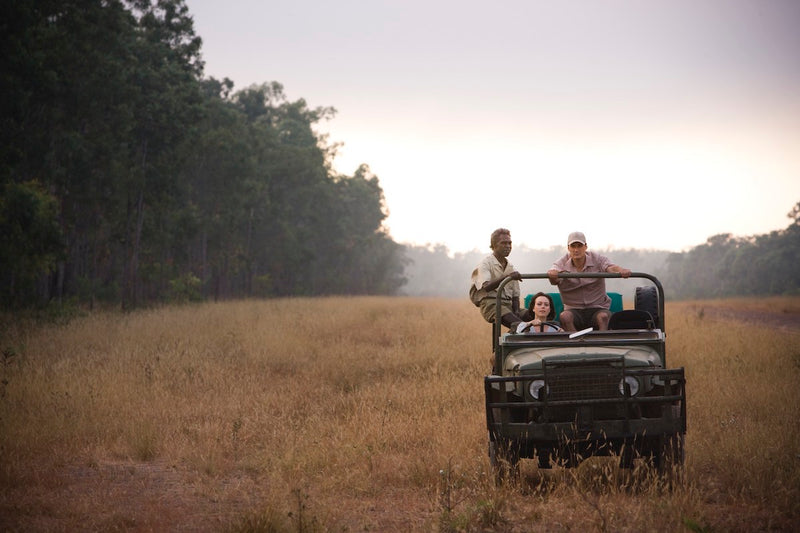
<point x="586" y="302"/>
<point x="488" y="275"/>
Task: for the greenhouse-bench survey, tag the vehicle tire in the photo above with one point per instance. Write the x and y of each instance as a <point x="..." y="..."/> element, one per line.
<point x="626" y="456"/>
<point x="669" y="458"/>
<point x="504" y="460"/>
<point x="672" y="452"/>
<point x="646" y="299"/>
<point x="543" y="456"/>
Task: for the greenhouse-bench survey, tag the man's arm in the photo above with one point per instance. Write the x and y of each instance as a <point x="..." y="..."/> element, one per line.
<point x="558" y="266"/>
<point x="493" y="284"/>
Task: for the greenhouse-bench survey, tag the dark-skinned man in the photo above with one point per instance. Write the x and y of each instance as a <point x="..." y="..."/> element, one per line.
<point x="488" y="275"/>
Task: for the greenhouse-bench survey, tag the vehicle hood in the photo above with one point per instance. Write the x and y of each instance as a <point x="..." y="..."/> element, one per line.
<point x="531" y="358"/>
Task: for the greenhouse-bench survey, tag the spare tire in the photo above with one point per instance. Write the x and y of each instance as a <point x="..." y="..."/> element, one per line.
<point x="646" y="299"/>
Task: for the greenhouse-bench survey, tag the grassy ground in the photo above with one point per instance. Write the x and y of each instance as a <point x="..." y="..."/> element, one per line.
<point x="362" y="414"/>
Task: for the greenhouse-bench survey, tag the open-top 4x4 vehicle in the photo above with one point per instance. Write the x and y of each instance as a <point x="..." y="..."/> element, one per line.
<point x="563" y="397"/>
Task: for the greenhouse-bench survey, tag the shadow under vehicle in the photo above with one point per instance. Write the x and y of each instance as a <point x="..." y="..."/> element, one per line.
<point x="563" y="397"/>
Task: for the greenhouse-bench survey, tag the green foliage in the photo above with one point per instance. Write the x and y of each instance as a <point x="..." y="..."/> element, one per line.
<point x="30" y="239"/>
<point x="186" y="288"/>
<point x="262" y="285"/>
<point x="59" y="312"/>
<point x="738" y="266"/>
<point x="160" y="177"/>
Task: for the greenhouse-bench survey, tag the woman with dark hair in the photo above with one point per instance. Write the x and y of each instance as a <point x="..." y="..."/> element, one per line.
<point x="543" y="312"/>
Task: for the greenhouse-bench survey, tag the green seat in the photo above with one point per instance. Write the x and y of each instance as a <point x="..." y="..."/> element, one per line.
<point x="616" y="302"/>
<point x="557" y="303"/>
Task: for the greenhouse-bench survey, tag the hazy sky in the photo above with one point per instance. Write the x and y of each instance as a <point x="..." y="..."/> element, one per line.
<point x="648" y="124"/>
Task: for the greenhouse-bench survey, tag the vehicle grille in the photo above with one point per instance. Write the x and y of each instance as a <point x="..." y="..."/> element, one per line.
<point x="583" y="383"/>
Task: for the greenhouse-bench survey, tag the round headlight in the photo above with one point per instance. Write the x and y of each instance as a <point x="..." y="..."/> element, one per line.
<point x="536" y="387"/>
<point x="631" y="383"/>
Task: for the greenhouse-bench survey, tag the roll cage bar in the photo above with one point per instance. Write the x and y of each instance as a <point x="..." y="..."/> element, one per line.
<point x="497" y="325"/>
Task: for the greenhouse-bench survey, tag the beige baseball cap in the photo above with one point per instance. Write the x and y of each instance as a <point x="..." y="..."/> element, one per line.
<point x="576" y="236"/>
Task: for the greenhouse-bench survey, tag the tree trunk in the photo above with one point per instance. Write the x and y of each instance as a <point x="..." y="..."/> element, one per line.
<point x="137" y="240"/>
<point x="133" y="233"/>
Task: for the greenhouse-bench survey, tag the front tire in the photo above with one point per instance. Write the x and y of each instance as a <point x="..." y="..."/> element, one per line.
<point x="504" y="459"/>
<point x="671" y="454"/>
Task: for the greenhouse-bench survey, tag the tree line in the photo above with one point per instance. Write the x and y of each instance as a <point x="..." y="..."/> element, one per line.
<point x="434" y="271"/>
<point x="757" y="265"/>
<point x="726" y="265"/>
<point x="128" y="177"/>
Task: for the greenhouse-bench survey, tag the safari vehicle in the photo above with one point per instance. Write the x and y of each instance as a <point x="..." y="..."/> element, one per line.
<point x="563" y="397"/>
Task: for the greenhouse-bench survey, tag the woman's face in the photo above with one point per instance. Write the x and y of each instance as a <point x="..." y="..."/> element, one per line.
<point x="541" y="307"/>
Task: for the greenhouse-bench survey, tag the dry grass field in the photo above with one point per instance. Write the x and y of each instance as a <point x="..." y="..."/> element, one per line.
<point x="365" y="414"/>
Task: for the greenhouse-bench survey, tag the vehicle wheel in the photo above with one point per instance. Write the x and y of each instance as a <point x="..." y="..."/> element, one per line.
<point x="568" y="457"/>
<point x="646" y="299"/>
<point x="668" y="459"/>
<point x="544" y="459"/>
<point x="671" y="454"/>
<point x="504" y="459"/>
<point x="572" y="460"/>
<point x="626" y="456"/>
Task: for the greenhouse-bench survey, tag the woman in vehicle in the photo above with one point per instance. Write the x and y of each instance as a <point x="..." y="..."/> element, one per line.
<point x="543" y="312"/>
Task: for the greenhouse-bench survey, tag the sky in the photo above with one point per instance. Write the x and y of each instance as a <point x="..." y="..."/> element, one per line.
<point x="645" y="124"/>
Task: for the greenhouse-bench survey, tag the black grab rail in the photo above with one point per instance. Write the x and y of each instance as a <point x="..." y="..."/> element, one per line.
<point x="497" y="326"/>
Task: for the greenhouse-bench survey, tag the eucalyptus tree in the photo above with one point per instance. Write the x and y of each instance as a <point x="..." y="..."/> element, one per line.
<point x="67" y="118"/>
<point x="98" y="97"/>
<point x="294" y="187"/>
<point x="166" y="105"/>
<point x="152" y="174"/>
<point x="219" y="175"/>
<point x="365" y="259"/>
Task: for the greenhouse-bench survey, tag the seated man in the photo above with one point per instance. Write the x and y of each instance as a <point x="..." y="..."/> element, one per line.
<point x="586" y="303"/>
<point x="488" y="275"/>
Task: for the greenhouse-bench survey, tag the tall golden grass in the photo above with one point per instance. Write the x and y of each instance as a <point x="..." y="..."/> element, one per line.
<point x="359" y="414"/>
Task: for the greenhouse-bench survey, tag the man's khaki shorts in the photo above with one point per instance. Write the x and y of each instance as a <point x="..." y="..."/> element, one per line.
<point x="584" y="318"/>
<point x="488" y="308"/>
